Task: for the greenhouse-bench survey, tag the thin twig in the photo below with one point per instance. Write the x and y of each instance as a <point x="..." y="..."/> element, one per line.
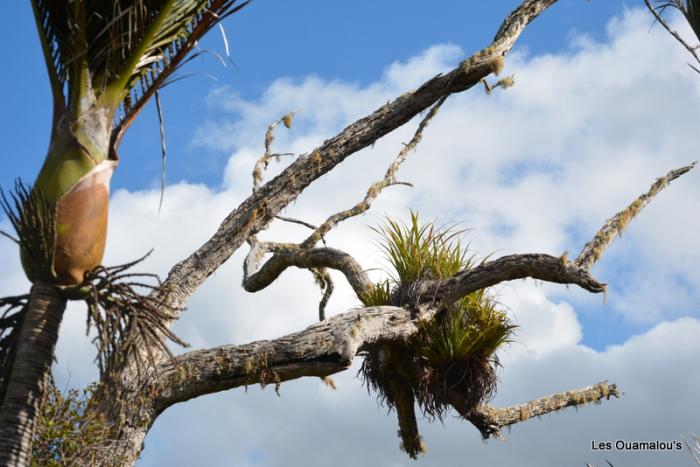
<point x="295" y="221"/>
<point x="377" y="187"/>
<point x="264" y="161"/>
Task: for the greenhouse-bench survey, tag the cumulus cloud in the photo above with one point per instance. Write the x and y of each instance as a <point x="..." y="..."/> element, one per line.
<point x="310" y="425"/>
<point x="538" y="167"/>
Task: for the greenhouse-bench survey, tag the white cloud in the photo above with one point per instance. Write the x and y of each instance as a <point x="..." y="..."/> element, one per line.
<point x="538" y="167"/>
<point x="543" y="326"/>
<point x="310" y="425"/>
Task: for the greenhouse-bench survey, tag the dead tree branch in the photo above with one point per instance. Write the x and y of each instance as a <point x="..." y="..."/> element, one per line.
<point x="537" y="266"/>
<point x="594" y="249"/>
<point x="260" y="208"/>
<point x="489" y="420"/>
<point x="293" y="255"/>
<point x="377" y="187"/>
<point x="306" y="256"/>
<point x="322" y="349"/>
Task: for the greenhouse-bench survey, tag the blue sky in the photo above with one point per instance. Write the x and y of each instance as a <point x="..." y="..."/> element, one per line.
<point x="268" y="39"/>
<point x="601" y="107"/>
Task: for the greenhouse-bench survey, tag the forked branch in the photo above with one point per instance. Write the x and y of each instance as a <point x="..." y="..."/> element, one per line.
<point x="260" y="208"/>
<point x="377" y="187"/>
<point x="304" y="255"/>
<point x="330" y="346"/>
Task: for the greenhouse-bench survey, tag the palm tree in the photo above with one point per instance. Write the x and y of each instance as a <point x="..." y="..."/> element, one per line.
<point x="105" y="60"/>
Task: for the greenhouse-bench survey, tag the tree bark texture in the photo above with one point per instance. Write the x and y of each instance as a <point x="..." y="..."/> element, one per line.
<point x="329" y="347"/>
<point x="29" y="374"/>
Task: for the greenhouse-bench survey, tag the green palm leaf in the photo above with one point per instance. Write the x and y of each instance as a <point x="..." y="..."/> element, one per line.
<point x="121" y="51"/>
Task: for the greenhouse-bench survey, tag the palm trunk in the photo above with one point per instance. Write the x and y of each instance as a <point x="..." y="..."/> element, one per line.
<point x="29" y="374"/>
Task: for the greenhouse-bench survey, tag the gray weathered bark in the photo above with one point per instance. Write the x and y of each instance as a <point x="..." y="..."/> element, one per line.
<point x="293" y="255"/>
<point x="256" y="212"/>
<point x="328" y="347"/>
<point x="614" y="226"/>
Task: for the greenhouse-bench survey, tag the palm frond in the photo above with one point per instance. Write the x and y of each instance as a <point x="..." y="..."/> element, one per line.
<point x="33" y="219"/>
<point x="52" y="23"/>
<point x="155" y="39"/>
<point x="122" y="50"/>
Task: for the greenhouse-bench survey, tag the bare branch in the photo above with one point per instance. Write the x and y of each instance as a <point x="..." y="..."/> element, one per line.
<point x="291" y="221"/>
<point x="264" y="161"/>
<point x="376" y="188"/>
<point x="261" y="207"/>
<point x="320" y="350"/>
<point x="293" y="255"/>
<point x="594" y="249"/>
<point x="538" y="266"/>
<point x="489" y="420"/>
